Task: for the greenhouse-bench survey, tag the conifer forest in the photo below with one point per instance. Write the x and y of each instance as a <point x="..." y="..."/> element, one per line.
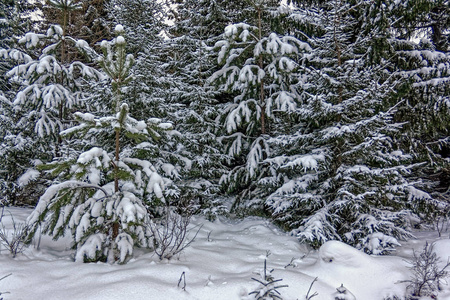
<point x="124" y="121"/>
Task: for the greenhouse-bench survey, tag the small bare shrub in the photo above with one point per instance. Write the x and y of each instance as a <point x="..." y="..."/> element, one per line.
<point x="441" y="224"/>
<point x="172" y="234"/>
<point x="427" y="276"/>
<point x="13" y="240"/>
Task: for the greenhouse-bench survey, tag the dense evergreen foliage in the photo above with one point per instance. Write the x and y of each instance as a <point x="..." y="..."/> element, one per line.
<point x="15" y="156"/>
<point x="329" y="117"/>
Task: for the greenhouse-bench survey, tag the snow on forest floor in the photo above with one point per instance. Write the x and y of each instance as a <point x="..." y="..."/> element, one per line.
<point x="219" y="264"/>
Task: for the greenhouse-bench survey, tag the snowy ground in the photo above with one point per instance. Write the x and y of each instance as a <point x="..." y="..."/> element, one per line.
<point x="218" y="265"/>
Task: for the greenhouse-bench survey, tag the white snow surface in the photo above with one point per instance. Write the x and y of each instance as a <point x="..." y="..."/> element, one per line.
<point x="218" y="265"/>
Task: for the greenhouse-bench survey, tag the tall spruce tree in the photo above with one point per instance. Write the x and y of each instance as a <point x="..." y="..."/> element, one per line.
<point x="337" y="166"/>
<point x="426" y="67"/>
<point x="345" y="172"/>
<point x="422" y="64"/>
<point x="189" y="63"/>
<point x="108" y="189"/>
<point x="51" y="85"/>
<point x="7" y="10"/>
<point x="16" y="149"/>
<point x="169" y="85"/>
<point x="149" y="89"/>
<point x="14" y="22"/>
<point x="260" y="65"/>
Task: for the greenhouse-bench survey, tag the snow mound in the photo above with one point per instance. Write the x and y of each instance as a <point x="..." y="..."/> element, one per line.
<point x="338" y="253"/>
<point x="365" y="276"/>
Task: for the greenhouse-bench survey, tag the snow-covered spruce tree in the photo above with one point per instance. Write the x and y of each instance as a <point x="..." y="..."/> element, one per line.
<point x="426" y="113"/>
<point x="260" y="67"/>
<point x="340" y="172"/>
<point x="425" y="110"/>
<point x="169" y="85"/>
<point x="16" y="153"/>
<point x="5" y="122"/>
<point x="188" y="64"/>
<point x="38" y="79"/>
<point x="268" y="287"/>
<point x="19" y="148"/>
<point x="14" y="22"/>
<point x="7" y="13"/>
<point x="7" y="10"/>
<point x="423" y="68"/>
<point x="50" y="84"/>
<point x="104" y="199"/>
<point x="149" y="90"/>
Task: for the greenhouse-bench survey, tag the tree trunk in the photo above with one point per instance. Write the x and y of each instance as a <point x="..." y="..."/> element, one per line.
<point x="116" y="163"/>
